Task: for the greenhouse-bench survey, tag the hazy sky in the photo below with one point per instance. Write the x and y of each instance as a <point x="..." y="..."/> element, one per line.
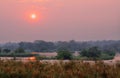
<point x="59" y="20"/>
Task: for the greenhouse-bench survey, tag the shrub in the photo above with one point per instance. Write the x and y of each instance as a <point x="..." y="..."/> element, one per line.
<point x="64" y="54"/>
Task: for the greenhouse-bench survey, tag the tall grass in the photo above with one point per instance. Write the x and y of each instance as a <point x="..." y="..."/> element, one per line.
<point x="72" y="69"/>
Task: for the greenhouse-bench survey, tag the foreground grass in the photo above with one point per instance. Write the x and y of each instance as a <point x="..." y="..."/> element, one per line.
<point x="72" y="69"/>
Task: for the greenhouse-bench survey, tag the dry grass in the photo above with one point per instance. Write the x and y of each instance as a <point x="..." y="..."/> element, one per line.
<point x="69" y="69"/>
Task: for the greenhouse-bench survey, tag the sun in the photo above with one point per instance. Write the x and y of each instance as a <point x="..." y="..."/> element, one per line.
<point x="33" y="16"/>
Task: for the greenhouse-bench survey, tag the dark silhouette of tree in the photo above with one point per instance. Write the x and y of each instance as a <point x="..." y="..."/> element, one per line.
<point x="0" y="50"/>
<point x="20" y="50"/>
<point x="6" y="50"/>
<point x="92" y="52"/>
<point x="64" y="54"/>
<point x="72" y="45"/>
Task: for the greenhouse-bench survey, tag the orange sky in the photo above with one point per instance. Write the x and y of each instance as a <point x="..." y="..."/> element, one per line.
<point x="59" y="20"/>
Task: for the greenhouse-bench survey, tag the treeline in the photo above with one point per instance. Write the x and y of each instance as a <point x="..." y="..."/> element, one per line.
<point x="72" y="45"/>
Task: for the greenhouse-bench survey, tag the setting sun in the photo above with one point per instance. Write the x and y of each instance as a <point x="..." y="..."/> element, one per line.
<point x="33" y="16"/>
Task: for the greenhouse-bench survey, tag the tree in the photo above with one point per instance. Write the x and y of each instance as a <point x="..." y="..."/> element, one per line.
<point x="64" y="54"/>
<point x="109" y="52"/>
<point x="0" y="50"/>
<point x="20" y="50"/>
<point x="84" y="52"/>
<point x="92" y="52"/>
<point x="6" y="50"/>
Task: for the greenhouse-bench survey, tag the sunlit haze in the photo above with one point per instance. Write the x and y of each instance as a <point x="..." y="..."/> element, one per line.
<point x="33" y="16"/>
<point x="54" y="20"/>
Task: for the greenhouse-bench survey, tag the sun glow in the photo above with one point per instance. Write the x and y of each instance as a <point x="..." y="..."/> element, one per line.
<point x="33" y="16"/>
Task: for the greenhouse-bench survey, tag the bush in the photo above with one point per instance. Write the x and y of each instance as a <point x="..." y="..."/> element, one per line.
<point x="106" y="57"/>
<point x="64" y="55"/>
<point x="19" y="50"/>
<point x="93" y="52"/>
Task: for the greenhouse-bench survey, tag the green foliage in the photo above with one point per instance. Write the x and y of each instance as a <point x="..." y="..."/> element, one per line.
<point x="93" y="52"/>
<point x="72" y="45"/>
<point x="6" y="50"/>
<point x="84" y="53"/>
<point x="64" y="54"/>
<point x="109" y="52"/>
<point x="19" y="50"/>
<point x="17" y="55"/>
<point x="0" y="50"/>
<point x="106" y="57"/>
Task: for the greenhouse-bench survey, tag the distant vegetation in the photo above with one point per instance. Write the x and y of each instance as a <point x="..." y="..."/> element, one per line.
<point x="44" y="46"/>
<point x="95" y="53"/>
<point x="64" y="54"/>
<point x="19" y="52"/>
<point x="99" y="50"/>
<point x="72" y="69"/>
<point x="76" y="68"/>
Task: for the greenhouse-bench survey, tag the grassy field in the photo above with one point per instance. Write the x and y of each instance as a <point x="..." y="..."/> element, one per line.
<point x="71" y="69"/>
